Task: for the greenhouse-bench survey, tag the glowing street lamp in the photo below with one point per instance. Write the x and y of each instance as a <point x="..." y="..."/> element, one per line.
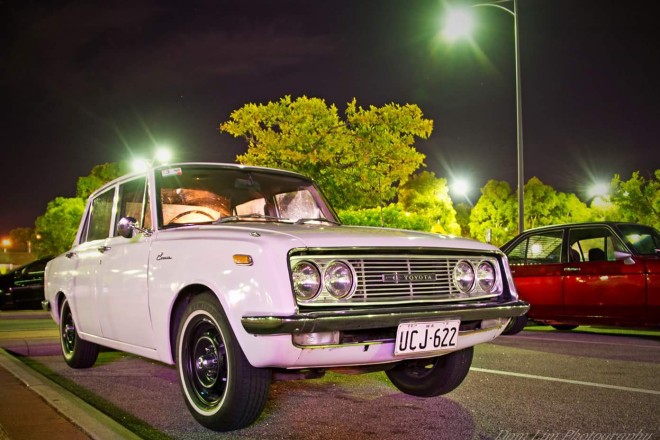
<point x="461" y="187"/>
<point x="599" y="193"/>
<point x="459" y="23"/>
<point x="6" y="243"/>
<point x="162" y="156"/>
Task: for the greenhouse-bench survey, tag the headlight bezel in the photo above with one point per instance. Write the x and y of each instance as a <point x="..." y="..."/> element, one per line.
<point x="296" y="270"/>
<point x="462" y="272"/>
<point x="328" y="271"/>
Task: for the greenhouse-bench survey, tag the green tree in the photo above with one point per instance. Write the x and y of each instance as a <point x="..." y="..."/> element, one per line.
<point x="99" y="176"/>
<point x="463" y="211"/>
<point x="58" y="225"/>
<point x="391" y="216"/>
<point x="358" y="161"/>
<point x="427" y="195"/>
<point x="495" y="212"/>
<point x="638" y="198"/>
<point x="541" y="204"/>
<point x="570" y="209"/>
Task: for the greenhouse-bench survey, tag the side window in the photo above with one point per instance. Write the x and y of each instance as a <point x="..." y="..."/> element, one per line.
<point x="100" y="216"/>
<point x="594" y="244"/>
<point x="134" y="202"/>
<point x="541" y="248"/>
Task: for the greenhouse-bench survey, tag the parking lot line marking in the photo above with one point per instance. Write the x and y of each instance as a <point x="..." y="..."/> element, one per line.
<point x="574" y="382"/>
<point x="656" y="346"/>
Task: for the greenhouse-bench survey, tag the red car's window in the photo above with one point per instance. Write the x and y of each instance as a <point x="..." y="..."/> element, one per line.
<point x="541" y="248"/>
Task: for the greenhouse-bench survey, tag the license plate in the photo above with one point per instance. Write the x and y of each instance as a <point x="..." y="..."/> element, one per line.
<point x="420" y="337"/>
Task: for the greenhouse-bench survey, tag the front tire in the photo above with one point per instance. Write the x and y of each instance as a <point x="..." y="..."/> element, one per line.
<point x="222" y="390"/>
<point x="432" y="377"/>
<point x="77" y="353"/>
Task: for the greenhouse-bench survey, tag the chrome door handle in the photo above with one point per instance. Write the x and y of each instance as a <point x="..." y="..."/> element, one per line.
<point x="102" y="249"/>
<point x="571" y="269"/>
<point x="70" y="254"/>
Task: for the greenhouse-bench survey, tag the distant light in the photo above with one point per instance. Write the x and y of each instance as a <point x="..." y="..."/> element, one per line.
<point x="461" y="187"/>
<point x="599" y="190"/>
<point x="6" y="242"/>
<point x="458" y="23"/>
<point x="163" y="155"/>
<point x="140" y="165"/>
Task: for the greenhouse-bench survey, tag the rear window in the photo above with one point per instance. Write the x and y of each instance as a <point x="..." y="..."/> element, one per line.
<point x="541" y="248"/>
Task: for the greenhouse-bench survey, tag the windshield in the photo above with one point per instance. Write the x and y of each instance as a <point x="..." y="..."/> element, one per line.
<point x="202" y="194"/>
<point x="643" y="239"/>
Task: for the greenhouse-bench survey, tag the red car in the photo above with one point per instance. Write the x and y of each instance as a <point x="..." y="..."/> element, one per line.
<point x="587" y="274"/>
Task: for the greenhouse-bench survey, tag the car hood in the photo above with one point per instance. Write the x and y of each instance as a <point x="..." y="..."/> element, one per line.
<point x="330" y="236"/>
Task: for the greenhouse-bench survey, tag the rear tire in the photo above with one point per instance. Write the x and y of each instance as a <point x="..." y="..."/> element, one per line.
<point x="222" y="390"/>
<point x="77" y="353"/>
<point x="432" y="377"/>
<point x="516" y="325"/>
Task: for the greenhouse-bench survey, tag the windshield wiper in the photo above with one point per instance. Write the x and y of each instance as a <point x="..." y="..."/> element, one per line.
<point x="238" y="218"/>
<point x="301" y="221"/>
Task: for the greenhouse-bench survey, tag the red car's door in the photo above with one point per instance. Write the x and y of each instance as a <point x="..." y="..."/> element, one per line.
<point x="537" y="270"/>
<point x="603" y="288"/>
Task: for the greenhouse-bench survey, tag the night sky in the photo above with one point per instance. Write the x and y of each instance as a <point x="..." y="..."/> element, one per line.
<point x="85" y="83"/>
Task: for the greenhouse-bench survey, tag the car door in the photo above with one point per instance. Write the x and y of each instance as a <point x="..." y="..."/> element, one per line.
<point x="601" y="288"/>
<point x="122" y="281"/>
<point x="535" y="262"/>
<point x="86" y="258"/>
<point x="28" y="288"/>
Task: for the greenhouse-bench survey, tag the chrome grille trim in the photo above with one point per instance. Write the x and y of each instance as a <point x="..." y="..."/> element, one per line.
<point x="396" y="279"/>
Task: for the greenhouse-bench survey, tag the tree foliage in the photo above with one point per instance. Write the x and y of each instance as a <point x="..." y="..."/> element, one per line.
<point x="390" y="216"/>
<point x="358" y="160"/>
<point x="638" y="198"/>
<point x="58" y="225"/>
<point x="427" y="195"/>
<point x="99" y="176"/>
<point x="494" y="213"/>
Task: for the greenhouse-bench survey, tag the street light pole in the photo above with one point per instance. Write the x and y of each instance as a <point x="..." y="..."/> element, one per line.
<point x="519" y="130"/>
<point x="519" y="134"/>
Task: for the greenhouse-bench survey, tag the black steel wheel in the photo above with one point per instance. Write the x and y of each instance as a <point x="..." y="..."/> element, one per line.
<point x="77" y="352"/>
<point x="222" y="390"/>
<point x="434" y="376"/>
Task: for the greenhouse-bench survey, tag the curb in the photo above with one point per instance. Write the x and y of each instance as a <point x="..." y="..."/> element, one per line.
<point x="92" y="421"/>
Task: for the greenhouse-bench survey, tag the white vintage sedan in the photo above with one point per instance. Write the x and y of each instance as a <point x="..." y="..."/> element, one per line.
<point x="241" y="275"/>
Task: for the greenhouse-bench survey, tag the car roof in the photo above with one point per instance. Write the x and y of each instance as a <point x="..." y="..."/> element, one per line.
<point x="572" y="225"/>
<point x="235" y="166"/>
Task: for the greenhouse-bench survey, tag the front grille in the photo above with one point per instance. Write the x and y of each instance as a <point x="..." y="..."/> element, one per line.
<point x="396" y="279"/>
<point x="385" y="279"/>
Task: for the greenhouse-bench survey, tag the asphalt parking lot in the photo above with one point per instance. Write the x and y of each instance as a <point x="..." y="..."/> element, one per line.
<point x="585" y="384"/>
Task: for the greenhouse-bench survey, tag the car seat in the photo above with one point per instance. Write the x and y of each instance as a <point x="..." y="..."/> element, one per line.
<point x="596" y="254"/>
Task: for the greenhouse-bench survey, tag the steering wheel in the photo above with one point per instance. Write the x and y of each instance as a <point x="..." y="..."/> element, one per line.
<point x="192" y="211"/>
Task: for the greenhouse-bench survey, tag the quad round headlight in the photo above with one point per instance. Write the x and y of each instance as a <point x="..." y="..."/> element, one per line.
<point x="338" y="279"/>
<point x="306" y="280"/>
<point x="486" y="276"/>
<point x="463" y="276"/>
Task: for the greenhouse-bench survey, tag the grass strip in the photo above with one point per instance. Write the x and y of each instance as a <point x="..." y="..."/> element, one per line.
<point x="126" y="419"/>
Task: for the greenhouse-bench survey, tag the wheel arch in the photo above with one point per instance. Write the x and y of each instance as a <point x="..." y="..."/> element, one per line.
<point x="182" y="300"/>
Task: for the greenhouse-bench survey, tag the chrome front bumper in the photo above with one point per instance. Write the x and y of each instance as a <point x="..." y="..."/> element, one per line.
<point x="361" y="319"/>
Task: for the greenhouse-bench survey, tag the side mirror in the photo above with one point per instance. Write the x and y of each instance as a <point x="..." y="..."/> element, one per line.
<point x="126" y="226"/>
